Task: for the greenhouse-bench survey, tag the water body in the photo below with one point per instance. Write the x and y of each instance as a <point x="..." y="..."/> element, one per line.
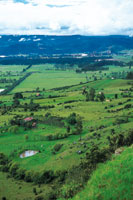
<point x="1" y="90"/>
<point x="28" y="153"/>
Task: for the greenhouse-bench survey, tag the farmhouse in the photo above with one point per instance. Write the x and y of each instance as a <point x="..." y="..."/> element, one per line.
<point x="28" y="119"/>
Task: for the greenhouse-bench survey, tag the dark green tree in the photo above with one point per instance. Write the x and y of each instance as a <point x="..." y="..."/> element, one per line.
<point x="90" y="95"/>
<point x="71" y="119"/>
<point x="68" y="129"/>
<point x="16" y="102"/>
<point x="79" y="126"/>
<point x="18" y="95"/>
<point x="101" y="96"/>
<point x="130" y="75"/>
<point x="116" y="96"/>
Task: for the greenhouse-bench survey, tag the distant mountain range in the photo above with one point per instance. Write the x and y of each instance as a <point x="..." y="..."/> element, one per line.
<point x="39" y="45"/>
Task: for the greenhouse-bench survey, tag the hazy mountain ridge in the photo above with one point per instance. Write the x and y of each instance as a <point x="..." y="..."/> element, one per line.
<point x="47" y="45"/>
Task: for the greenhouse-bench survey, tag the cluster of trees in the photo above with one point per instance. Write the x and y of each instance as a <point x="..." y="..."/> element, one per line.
<point x="91" y="95"/>
<point x="56" y="136"/>
<point x="4" y="109"/>
<point x="130" y="75"/>
<point x="53" y="120"/>
<point x="121" y="120"/>
<point x="18" y="95"/>
<point x="5" y="80"/>
<point x="16" y="122"/>
<point x="31" y="106"/>
<point x="74" y="120"/>
<point x="62" y="60"/>
<point x="98" y="65"/>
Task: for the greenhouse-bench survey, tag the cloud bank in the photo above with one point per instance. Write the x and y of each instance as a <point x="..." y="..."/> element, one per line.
<point x="66" y="17"/>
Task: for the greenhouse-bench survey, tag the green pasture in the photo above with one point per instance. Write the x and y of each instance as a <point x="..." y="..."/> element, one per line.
<point x="49" y="80"/>
<point x="12" y="68"/>
<point x="48" y="77"/>
<point x="12" y="189"/>
<point x="42" y="68"/>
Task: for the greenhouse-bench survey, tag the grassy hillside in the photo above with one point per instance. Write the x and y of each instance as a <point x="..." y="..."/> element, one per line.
<point x="112" y="180"/>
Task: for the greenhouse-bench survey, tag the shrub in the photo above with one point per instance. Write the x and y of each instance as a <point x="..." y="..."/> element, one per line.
<point x="3" y="159"/>
<point x="13" y="169"/>
<point x="4" y="168"/>
<point x="129" y="138"/>
<point x="26" y="137"/>
<point x="127" y="106"/>
<point x="72" y="119"/>
<point x="28" y="176"/>
<point x="18" y="95"/>
<point x="37" y="178"/>
<point x="3" y="198"/>
<point x="39" y="197"/>
<point x="20" y="174"/>
<point x="14" y="129"/>
<point x="57" y="147"/>
<point x="61" y="175"/>
<point x="46" y="176"/>
<point x="48" y="115"/>
<point x="68" y="191"/>
<point x="34" y="191"/>
<point x="119" y="121"/>
<point x="49" y="137"/>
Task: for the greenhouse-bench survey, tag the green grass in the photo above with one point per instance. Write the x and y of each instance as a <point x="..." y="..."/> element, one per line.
<point x="112" y="180"/>
<point x="20" y="190"/>
<point x="12" y="68"/>
<point x="49" y="80"/>
<point x="46" y="76"/>
<point x="93" y="115"/>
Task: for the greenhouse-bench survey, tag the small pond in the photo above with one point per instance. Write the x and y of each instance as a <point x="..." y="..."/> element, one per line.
<point x="1" y="90"/>
<point x="28" y="153"/>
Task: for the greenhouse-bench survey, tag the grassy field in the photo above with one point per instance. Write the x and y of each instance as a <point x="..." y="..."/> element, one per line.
<point x="49" y="80"/>
<point x="12" y="68"/>
<point x="48" y="77"/>
<point x="15" y="190"/>
<point x="99" y="120"/>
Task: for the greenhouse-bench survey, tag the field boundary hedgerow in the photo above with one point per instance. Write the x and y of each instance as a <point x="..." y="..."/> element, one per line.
<point x="15" y="84"/>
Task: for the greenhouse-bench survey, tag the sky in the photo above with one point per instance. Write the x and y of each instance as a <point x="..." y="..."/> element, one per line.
<point x="66" y="17"/>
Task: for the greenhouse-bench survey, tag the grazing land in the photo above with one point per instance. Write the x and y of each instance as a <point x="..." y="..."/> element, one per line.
<point x="74" y="121"/>
<point x="50" y="79"/>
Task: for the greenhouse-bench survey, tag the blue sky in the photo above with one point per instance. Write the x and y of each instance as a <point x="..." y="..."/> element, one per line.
<point x="66" y="17"/>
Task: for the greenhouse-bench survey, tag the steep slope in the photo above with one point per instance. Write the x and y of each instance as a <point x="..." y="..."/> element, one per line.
<point x="112" y="180"/>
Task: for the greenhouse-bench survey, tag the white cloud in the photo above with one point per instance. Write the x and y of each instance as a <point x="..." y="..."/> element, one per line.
<point x="86" y="17"/>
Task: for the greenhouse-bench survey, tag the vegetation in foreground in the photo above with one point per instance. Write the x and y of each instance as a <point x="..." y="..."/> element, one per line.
<point x="112" y="180"/>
